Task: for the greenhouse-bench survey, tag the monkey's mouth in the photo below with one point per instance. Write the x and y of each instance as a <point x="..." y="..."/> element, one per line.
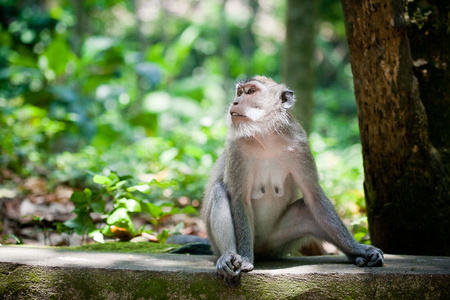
<point x="235" y="114"/>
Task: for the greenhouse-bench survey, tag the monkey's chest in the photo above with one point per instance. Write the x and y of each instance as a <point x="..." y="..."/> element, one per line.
<point x="268" y="180"/>
<point x="271" y="181"/>
<point x="272" y="190"/>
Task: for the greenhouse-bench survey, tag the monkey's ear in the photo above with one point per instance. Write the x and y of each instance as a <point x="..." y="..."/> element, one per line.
<point x="287" y="99"/>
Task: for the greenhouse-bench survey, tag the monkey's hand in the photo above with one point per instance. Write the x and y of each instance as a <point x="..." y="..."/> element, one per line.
<point x="229" y="267"/>
<point x="370" y="256"/>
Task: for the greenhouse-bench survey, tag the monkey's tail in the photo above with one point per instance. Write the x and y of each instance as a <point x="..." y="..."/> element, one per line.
<point x="191" y="244"/>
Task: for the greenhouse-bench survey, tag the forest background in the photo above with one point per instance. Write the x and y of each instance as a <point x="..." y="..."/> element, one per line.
<point x="119" y="106"/>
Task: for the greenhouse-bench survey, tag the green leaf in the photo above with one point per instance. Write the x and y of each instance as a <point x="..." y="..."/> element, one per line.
<point x="120" y="184"/>
<point x="107" y="231"/>
<point x="164" y="203"/>
<point x="61" y="228"/>
<point x="103" y="180"/>
<point x="153" y="210"/>
<point x="173" y="211"/>
<point x="97" y="236"/>
<point x="98" y="205"/>
<point x="87" y="193"/>
<point x="14" y="237"/>
<point x="81" y="224"/>
<point x="162" y="237"/>
<point x="77" y="197"/>
<point x="113" y="176"/>
<point x="130" y="204"/>
<point x="189" y="210"/>
<point x="143" y="188"/>
<point x="358" y="236"/>
<point x="119" y="217"/>
<point x="58" y="54"/>
<point x="37" y="218"/>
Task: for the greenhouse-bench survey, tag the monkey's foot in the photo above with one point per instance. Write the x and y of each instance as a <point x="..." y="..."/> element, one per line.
<point x="247" y="266"/>
<point x="372" y="257"/>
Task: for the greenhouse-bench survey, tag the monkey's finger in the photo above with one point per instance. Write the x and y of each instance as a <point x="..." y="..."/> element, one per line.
<point x="227" y="270"/>
<point x="360" y="261"/>
<point x="236" y="261"/>
<point x="231" y="267"/>
<point x="230" y="270"/>
<point x="376" y="260"/>
<point x="246" y="266"/>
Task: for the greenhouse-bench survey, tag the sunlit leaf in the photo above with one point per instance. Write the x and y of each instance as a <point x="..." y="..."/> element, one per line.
<point x="97" y="236"/>
<point x="87" y="193"/>
<point x="118" y="216"/>
<point x="358" y="236"/>
<point x="103" y="180"/>
<point x="189" y="210"/>
<point x="143" y="188"/>
<point x="58" y="54"/>
<point x="130" y="204"/>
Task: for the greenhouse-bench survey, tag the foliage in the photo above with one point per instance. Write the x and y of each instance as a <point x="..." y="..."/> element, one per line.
<point x="120" y="198"/>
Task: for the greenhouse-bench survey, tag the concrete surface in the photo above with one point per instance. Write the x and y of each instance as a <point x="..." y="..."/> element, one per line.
<point x="41" y="273"/>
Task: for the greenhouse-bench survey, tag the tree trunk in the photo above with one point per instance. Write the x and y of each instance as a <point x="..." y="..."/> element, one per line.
<point x="401" y="73"/>
<point x="298" y="60"/>
<point x="81" y="28"/>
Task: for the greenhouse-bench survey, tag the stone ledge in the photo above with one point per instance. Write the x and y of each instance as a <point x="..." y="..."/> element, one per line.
<point x="36" y="273"/>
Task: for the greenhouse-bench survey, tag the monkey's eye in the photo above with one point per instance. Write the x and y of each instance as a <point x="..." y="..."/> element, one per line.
<point x="250" y="91"/>
<point x="239" y="92"/>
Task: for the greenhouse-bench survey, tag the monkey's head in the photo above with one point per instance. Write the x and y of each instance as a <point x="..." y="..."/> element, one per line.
<point x="260" y="106"/>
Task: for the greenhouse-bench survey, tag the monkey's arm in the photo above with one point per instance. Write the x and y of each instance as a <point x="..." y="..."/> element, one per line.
<point x="328" y="224"/>
<point x="243" y="229"/>
<point x="333" y="230"/>
<point x="217" y="213"/>
<point x="238" y="180"/>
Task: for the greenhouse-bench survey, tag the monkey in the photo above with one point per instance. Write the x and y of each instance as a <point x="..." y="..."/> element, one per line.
<point x="252" y="206"/>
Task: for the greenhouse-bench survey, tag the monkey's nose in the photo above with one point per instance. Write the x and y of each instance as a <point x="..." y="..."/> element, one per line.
<point x="235" y="103"/>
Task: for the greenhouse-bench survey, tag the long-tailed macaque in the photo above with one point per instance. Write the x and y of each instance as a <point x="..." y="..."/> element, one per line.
<point x="251" y="204"/>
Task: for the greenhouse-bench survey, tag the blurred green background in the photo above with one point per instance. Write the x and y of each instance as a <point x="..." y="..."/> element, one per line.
<point x="141" y="88"/>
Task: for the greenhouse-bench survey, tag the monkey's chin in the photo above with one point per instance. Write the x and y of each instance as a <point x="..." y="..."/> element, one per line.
<point x="246" y="129"/>
<point x="239" y="119"/>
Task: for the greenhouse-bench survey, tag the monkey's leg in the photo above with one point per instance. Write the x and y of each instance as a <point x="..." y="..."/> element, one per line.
<point x="330" y="228"/>
<point x="222" y="236"/>
<point x="294" y="224"/>
<point x="299" y="221"/>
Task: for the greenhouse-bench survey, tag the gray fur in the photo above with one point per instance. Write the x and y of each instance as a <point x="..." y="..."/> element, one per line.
<point x="250" y="205"/>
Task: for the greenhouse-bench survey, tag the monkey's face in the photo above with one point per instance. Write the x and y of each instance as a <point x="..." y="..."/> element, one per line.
<point x="260" y="104"/>
<point x="246" y="107"/>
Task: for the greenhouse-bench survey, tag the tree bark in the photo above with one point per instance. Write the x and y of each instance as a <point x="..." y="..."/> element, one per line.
<point x="298" y="60"/>
<point x="401" y="77"/>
